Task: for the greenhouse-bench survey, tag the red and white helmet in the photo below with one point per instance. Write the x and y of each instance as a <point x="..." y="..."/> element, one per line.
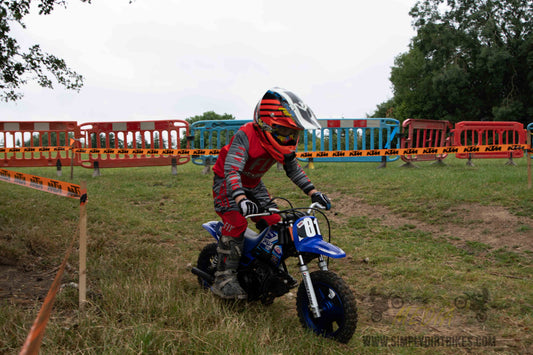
<point x="281" y="115"/>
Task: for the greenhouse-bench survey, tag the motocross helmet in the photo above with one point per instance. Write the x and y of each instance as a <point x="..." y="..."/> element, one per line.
<point x="280" y="115"/>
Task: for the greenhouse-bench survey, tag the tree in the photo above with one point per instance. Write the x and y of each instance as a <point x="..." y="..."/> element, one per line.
<point x="18" y="66"/>
<point x="209" y="116"/>
<point x="470" y="60"/>
<point x="45" y="139"/>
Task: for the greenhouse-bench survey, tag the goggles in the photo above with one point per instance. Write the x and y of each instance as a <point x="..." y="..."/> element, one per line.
<point x="285" y="135"/>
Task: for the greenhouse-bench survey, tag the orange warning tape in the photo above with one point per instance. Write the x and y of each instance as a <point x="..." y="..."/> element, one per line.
<point x="41" y="183"/>
<point x="413" y="151"/>
<point x="319" y="154"/>
<point x="146" y="151"/>
<point x="34" y="149"/>
<point x="35" y="336"/>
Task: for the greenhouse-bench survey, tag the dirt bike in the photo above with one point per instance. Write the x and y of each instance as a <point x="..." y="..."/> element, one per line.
<point x="324" y="301"/>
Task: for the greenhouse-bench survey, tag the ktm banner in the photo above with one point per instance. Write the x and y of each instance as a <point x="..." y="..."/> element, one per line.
<point x="41" y="183"/>
<point x="320" y="154"/>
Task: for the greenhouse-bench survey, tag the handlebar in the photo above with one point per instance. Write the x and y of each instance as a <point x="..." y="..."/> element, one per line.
<point x="293" y="213"/>
<point x="270" y="211"/>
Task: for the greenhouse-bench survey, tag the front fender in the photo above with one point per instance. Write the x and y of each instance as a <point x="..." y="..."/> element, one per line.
<point x="319" y="246"/>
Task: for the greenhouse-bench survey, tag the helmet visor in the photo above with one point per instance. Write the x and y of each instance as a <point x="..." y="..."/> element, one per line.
<point x="300" y="112"/>
<point x="285" y="135"/>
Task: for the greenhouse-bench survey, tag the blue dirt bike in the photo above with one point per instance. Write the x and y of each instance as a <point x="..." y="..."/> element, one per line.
<point x="324" y="302"/>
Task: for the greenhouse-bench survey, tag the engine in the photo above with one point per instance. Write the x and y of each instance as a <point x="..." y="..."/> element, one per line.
<point x="263" y="282"/>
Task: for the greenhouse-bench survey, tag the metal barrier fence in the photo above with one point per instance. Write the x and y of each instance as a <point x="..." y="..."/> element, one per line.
<point x="425" y="133"/>
<point x="39" y="135"/>
<point x="166" y="134"/>
<point x="353" y="134"/>
<point x="489" y="133"/>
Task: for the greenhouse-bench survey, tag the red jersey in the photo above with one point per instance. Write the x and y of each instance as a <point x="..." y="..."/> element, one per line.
<point x="244" y="161"/>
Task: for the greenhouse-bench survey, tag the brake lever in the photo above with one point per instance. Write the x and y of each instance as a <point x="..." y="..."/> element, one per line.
<point x="315" y="205"/>
<point x="262" y="214"/>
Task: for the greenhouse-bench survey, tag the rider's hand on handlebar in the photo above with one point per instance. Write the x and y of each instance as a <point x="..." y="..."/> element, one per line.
<point x="247" y="207"/>
<point x="322" y="199"/>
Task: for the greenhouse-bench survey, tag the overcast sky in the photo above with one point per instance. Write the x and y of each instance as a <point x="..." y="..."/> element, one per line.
<point x="173" y="59"/>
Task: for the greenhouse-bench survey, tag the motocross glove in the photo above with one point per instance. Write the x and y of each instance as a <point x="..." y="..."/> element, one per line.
<point x="322" y="199"/>
<point x="247" y="207"/>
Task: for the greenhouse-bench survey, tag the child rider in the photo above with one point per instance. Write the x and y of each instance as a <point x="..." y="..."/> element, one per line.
<point x="238" y="190"/>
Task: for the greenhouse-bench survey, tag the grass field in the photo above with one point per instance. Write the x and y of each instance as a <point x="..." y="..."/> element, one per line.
<point x="440" y="260"/>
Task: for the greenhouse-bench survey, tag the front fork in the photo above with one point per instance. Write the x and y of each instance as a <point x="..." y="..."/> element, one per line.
<point x="304" y="269"/>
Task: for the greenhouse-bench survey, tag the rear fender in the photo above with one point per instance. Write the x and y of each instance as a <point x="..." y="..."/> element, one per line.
<point x="214" y="228"/>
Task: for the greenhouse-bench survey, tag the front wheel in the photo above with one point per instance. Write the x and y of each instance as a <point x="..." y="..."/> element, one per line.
<point x="338" y="310"/>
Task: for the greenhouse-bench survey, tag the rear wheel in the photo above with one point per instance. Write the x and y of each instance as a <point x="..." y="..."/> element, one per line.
<point x="207" y="262"/>
<point x="338" y="310"/>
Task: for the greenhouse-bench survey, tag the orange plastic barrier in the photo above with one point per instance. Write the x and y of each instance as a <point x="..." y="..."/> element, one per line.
<point x="489" y="133"/>
<point x="425" y="134"/>
<point x="165" y="134"/>
<point x="36" y="134"/>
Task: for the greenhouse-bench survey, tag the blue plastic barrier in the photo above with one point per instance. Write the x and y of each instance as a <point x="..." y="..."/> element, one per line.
<point x="212" y="135"/>
<point x="335" y="134"/>
<point x="354" y="134"/>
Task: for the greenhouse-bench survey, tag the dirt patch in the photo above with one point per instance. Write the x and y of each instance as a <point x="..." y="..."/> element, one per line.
<point x="23" y="287"/>
<point x="491" y="225"/>
<point x="23" y="283"/>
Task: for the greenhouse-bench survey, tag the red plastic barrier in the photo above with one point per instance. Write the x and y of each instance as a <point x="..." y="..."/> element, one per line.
<point x="130" y="135"/>
<point x="489" y="133"/>
<point x="37" y="134"/>
<point x="425" y="134"/>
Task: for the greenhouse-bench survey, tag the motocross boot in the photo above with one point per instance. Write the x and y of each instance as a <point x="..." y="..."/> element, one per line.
<point x="226" y="284"/>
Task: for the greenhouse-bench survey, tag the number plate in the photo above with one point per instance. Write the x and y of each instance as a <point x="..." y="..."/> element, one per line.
<point x="307" y="227"/>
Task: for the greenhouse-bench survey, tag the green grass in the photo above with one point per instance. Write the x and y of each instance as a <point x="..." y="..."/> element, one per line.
<point x="144" y="227"/>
